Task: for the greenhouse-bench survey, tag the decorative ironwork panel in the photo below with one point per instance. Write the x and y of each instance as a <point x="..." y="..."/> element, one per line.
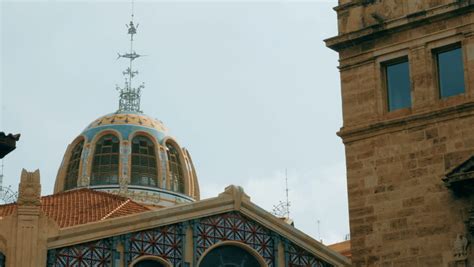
<point x="235" y="227"/>
<point x="2" y="260"/>
<point x="96" y="253"/>
<point x="165" y="242"/>
<point x="299" y="257"/>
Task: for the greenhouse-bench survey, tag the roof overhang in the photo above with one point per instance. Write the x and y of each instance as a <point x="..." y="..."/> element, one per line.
<point x="7" y="143"/>
<point x="461" y="179"/>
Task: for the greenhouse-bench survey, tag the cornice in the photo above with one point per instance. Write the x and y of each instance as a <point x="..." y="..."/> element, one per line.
<point x="415" y="19"/>
<point x="230" y="200"/>
<point x="356" y="133"/>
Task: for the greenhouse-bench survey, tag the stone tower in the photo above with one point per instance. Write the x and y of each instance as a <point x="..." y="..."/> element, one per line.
<point x="407" y="73"/>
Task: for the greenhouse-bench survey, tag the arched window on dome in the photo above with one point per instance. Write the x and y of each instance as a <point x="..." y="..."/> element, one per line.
<point x="105" y="165"/>
<point x="144" y="171"/>
<point x="72" y="172"/>
<point x="176" y="170"/>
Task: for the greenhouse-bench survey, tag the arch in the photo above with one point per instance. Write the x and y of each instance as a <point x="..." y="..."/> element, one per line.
<point x="157" y="145"/>
<point x="150" y="261"/>
<point x="176" y="163"/>
<point x="60" y="182"/>
<point x="144" y="164"/>
<point x="196" y="192"/>
<point x="73" y="166"/>
<point x="106" y="160"/>
<point x="231" y="253"/>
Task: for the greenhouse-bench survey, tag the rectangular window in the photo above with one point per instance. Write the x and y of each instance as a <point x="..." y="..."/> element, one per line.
<point x="450" y="72"/>
<point x="397" y="76"/>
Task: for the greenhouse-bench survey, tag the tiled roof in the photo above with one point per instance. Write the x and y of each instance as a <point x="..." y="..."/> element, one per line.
<point x="82" y="206"/>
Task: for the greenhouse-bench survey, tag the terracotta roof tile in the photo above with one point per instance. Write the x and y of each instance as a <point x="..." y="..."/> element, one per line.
<point x="7" y="209"/>
<point x="83" y="206"/>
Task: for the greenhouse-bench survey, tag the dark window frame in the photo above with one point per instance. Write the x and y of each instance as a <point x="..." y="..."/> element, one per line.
<point x="73" y="166"/>
<point x="144" y="162"/>
<point x="175" y="168"/>
<point x="384" y="65"/>
<point x="435" y="55"/>
<point x="106" y="161"/>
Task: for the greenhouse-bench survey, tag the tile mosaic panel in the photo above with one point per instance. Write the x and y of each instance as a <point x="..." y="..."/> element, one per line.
<point x="235" y="227"/>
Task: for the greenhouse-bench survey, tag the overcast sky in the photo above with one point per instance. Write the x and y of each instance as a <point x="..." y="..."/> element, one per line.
<point x="249" y="88"/>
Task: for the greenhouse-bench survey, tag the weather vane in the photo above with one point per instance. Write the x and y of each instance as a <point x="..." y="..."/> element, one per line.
<point x="129" y="95"/>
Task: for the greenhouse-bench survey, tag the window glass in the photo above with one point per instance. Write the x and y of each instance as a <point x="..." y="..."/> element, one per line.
<point x="450" y="72"/>
<point x="398" y="85"/>
<point x="72" y="172"/>
<point x="148" y="263"/>
<point x="176" y="171"/>
<point x="227" y="256"/>
<point x="144" y="171"/>
<point x="105" y="165"/>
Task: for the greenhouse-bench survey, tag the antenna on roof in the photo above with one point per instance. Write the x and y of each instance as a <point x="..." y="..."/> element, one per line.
<point x="7" y="195"/>
<point x="130" y="96"/>
<point x="1" y="176"/>
<point x="282" y="210"/>
<point x="319" y="232"/>
<point x="287" y="199"/>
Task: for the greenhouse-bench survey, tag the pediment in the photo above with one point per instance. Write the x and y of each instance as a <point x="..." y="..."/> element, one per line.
<point x="461" y="178"/>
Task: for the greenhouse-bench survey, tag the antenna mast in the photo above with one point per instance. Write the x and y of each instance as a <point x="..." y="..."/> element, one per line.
<point x="283" y="208"/>
<point x="130" y="96"/>
<point x="287" y="199"/>
<point x="7" y="195"/>
<point x="1" y="176"/>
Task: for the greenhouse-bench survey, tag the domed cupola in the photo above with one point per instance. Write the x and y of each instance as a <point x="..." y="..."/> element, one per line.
<point x="129" y="153"/>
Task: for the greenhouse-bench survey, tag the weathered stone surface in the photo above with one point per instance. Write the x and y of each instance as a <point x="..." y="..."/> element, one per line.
<point x="401" y="213"/>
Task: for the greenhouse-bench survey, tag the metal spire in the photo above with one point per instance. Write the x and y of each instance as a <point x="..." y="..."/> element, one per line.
<point x="286" y="190"/>
<point x="283" y="208"/>
<point x="130" y="96"/>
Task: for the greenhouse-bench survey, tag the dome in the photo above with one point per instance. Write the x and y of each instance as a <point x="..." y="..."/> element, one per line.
<point x="124" y="122"/>
<point x="130" y="154"/>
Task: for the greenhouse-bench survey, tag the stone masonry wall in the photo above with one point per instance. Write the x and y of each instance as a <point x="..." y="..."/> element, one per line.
<point x="354" y="15"/>
<point x="401" y="213"/>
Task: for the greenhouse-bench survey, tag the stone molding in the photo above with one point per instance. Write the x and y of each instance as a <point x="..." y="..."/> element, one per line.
<point x="399" y="24"/>
<point x="352" y="134"/>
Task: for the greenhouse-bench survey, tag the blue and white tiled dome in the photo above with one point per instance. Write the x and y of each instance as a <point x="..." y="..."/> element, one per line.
<point x="131" y="154"/>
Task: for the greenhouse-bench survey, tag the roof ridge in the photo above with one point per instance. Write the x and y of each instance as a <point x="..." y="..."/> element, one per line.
<point x="110" y="195"/>
<point x="116" y="209"/>
<point x="65" y="193"/>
